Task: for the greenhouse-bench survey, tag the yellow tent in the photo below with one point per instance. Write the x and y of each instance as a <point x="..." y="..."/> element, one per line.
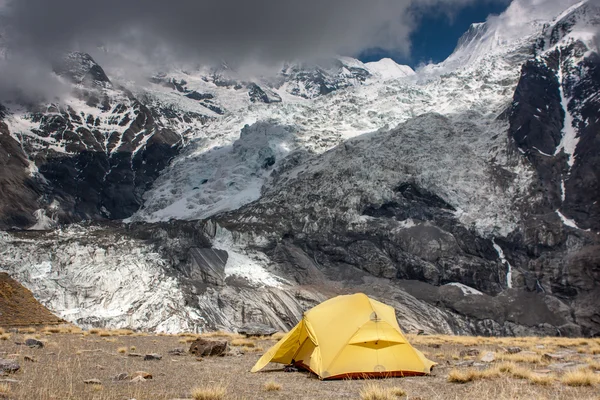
<point x="350" y="336"/>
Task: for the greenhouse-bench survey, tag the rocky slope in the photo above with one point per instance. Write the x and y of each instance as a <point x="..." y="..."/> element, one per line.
<point x="463" y="194"/>
<point x="18" y="307"/>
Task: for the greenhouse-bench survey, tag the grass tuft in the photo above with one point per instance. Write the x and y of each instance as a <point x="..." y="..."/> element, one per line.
<point x="542" y="380"/>
<point x="580" y="377"/>
<point x="122" y="350"/>
<point x="397" y="391"/>
<point x="4" y="389"/>
<point x="215" y="392"/>
<point x="272" y="386"/>
<point x="373" y="391"/>
<point x="469" y="375"/>
<point x="243" y="342"/>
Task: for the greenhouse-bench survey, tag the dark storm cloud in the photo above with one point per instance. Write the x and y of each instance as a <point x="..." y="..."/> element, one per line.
<point x="131" y="38"/>
<point x="269" y="30"/>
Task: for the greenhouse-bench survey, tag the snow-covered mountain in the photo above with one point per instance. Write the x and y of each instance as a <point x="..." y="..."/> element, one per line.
<point x="464" y="193"/>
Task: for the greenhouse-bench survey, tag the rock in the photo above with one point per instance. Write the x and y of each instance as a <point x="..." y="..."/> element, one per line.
<point x="434" y="345"/>
<point x="177" y="352"/>
<point x="469" y="353"/>
<point x="135" y="355"/>
<point x="235" y="351"/>
<point x="138" y="379"/>
<point x="543" y="371"/>
<point x="123" y="376"/>
<point x="256" y="329"/>
<point x="6" y="380"/>
<point x="562" y="366"/>
<point x="488" y="357"/>
<point x="34" y="343"/>
<point x="143" y="374"/>
<point x="203" y="347"/>
<point x="513" y="350"/>
<point x="9" y="366"/>
<point x="29" y="358"/>
<point x="553" y="357"/>
<point x="152" y="357"/>
<point x="92" y="382"/>
<point x="467" y="363"/>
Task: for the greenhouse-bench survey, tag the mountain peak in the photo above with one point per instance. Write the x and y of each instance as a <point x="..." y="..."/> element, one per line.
<point x="387" y="69"/>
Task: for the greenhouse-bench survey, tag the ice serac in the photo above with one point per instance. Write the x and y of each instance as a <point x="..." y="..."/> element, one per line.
<point x="251" y="199"/>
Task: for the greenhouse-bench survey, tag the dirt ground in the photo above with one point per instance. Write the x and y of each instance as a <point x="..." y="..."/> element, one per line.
<point x="67" y="359"/>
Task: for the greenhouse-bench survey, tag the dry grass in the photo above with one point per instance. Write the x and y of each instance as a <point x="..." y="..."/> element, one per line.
<point x="223" y="334"/>
<point x="470" y="375"/>
<point x="542" y="380"/>
<point x="278" y="335"/>
<point x="5" y="336"/>
<point x="374" y="391"/>
<point x="132" y="348"/>
<point x="272" y="386"/>
<point x="2" y="331"/>
<point x="71" y="358"/>
<point x="51" y="329"/>
<point x="255" y="349"/>
<point x="580" y="377"/>
<point x="521" y="358"/>
<point x="242" y="342"/>
<point x="4" y="389"/>
<point x="214" y="392"/>
<point x="122" y="350"/>
<point x="397" y="391"/>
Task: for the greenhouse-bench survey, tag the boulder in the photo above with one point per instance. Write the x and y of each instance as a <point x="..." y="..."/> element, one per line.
<point x="34" y="343"/>
<point x="469" y="353"/>
<point x="29" y="358"/>
<point x="9" y="366"/>
<point x="123" y="376"/>
<point x="235" y="351"/>
<point x="255" y="329"/>
<point x="488" y="357"/>
<point x="202" y="347"/>
<point x="513" y="350"/>
<point x="143" y="374"/>
<point x="177" y="352"/>
<point x="152" y="357"/>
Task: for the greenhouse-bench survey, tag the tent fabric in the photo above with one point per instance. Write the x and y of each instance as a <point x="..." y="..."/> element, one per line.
<point x="349" y="336"/>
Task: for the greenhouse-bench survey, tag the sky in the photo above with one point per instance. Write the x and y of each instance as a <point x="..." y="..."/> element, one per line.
<point x="140" y="36"/>
<point x="437" y="34"/>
